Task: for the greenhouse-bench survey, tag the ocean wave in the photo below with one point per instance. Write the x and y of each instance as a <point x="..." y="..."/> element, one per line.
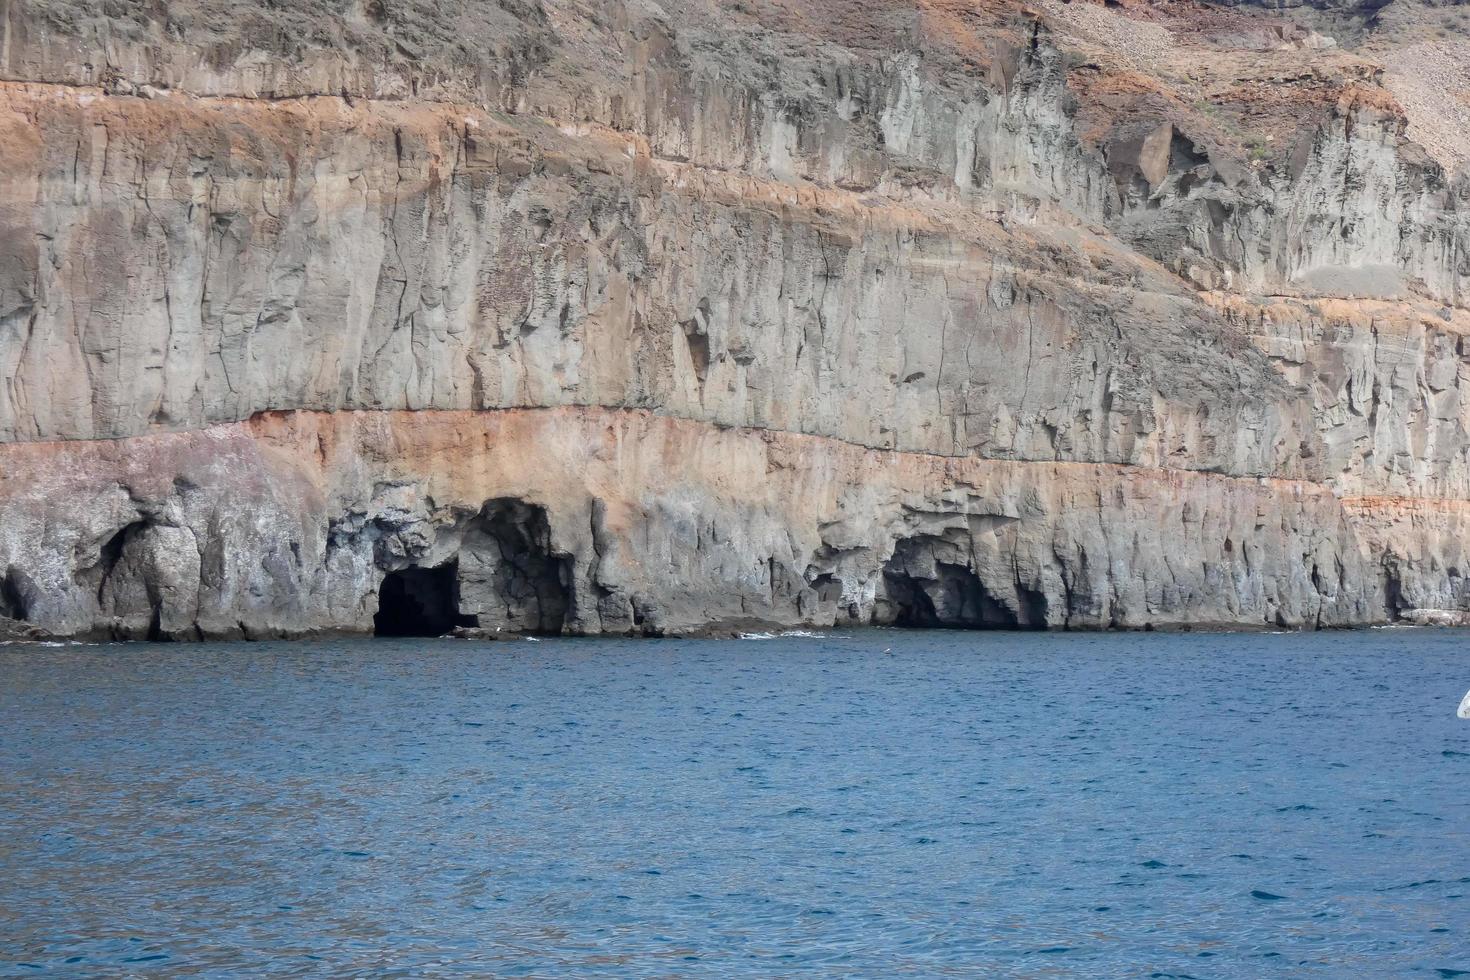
<point x="805" y="634"/>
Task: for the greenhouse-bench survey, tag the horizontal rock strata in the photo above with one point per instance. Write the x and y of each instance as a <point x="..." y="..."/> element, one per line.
<point x="288" y="523"/>
<point x="619" y="318"/>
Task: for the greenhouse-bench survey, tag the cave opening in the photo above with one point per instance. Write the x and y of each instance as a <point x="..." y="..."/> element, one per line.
<point x="511" y="578"/>
<point x="13" y="601"/>
<point x="923" y="592"/>
<point x="953" y="599"/>
<point x="419" y="602"/>
<point x="99" y="576"/>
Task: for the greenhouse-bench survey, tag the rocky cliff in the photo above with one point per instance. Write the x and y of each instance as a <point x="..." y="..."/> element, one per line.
<point x="585" y="316"/>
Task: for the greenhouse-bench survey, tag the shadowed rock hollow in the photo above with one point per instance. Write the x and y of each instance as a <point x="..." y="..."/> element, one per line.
<point x="650" y="318"/>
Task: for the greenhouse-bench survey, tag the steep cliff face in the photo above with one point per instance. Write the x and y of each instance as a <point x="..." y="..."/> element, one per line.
<point x="595" y="317"/>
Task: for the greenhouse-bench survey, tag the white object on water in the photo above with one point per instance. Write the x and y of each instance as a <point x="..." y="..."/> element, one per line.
<point x="1464" y="711"/>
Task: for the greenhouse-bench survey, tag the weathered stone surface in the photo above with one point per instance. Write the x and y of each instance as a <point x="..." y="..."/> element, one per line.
<point x="651" y="524"/>
<point x="557" y="317"/>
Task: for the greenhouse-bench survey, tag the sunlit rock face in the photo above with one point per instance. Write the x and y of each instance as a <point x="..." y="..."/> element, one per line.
<point x="562" y="317"/>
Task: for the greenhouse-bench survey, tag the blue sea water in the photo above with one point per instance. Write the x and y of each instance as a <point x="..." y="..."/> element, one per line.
<point x="968" y="804"/>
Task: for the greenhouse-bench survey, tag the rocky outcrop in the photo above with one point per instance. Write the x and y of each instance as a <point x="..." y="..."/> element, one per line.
<point x="531" y="317"/>
<point x="628" y="521"/>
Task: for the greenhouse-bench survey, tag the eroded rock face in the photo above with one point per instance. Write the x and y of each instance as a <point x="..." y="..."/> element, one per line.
<point x="530" y="317"/>
<point x="510" y="579"/>
<point x="623" y="521"/>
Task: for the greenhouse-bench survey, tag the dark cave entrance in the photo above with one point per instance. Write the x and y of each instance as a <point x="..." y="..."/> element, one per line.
<point x="924" y="592"/>
<point x="418" y="602"/>
<point x="504" y="578"/>
<point x="511" y="578"/>
<point x="14" y="601"/>
<point x="953" y="599"/>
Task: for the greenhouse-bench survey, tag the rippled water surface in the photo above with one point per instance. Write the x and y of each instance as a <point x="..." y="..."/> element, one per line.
<point x="968" y="804"/>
